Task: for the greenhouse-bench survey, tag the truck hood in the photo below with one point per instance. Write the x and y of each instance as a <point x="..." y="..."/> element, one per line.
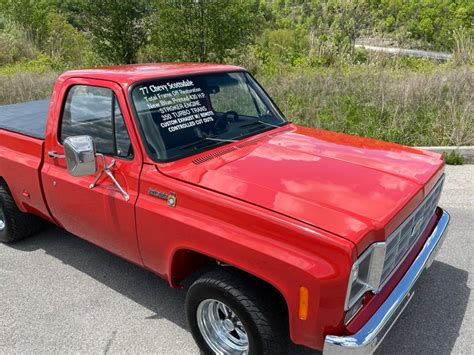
<point x="357" y="188"/>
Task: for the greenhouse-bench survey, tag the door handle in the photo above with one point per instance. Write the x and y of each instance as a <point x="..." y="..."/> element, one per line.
<point x="53" y="154"/>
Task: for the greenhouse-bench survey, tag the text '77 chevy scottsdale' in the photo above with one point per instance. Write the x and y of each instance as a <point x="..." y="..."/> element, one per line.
<point x="191" y="171"/>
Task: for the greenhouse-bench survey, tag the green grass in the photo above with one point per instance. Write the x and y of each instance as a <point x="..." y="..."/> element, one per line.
<point x="453" y="158"/>
<point x="407" y="106"/>
<point x="26" y="86"/>
<point x="41" y="65"/>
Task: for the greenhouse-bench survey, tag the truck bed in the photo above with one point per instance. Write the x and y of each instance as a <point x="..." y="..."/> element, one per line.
<point x="28" y="118"/>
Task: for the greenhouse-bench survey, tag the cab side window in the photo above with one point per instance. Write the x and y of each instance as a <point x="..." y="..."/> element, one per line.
<point x="94" y="111"/>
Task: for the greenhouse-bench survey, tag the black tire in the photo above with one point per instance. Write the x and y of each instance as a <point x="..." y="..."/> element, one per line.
<point x="260" y="309"/>
<point x="14" y="224"/>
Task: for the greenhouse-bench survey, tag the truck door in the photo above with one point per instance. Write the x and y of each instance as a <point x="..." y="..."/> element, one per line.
<point x="101" y="214"/>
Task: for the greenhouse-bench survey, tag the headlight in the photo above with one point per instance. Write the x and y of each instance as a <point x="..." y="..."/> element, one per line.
<point x="365" y="274"/>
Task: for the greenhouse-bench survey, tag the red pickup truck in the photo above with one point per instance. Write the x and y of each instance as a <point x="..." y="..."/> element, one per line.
<point x="190" y="170"/>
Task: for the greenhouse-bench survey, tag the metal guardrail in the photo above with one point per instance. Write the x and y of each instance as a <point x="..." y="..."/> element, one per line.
<point x="408" y="52"/>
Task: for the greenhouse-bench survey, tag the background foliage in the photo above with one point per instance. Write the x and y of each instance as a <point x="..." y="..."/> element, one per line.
<point x="302" y="50"/>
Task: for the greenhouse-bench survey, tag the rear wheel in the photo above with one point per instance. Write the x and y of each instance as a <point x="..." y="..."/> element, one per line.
<point x="3" y="223"/>
<point x="14" y="224"/>
<point x="230" y="313"/>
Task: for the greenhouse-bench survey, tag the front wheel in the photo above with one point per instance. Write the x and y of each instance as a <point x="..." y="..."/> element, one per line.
<point x="229" y="313"/>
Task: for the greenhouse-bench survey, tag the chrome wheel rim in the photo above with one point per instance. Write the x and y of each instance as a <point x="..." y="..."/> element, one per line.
<point x="221" y="328"/>
<point x="3" y="223"/>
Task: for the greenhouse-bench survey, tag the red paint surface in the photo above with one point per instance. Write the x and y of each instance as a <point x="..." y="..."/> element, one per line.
<point x="294" y="207"/>
<point x="351" y="188"/>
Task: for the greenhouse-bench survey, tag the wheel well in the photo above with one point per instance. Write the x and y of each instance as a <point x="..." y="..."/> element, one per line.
<point x="188" y="266"/>
<point x="4" y="183"/>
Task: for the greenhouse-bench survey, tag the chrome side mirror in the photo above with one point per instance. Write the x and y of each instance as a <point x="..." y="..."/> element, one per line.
<point x="80" y="155"/>
<point x="81" y="160"/>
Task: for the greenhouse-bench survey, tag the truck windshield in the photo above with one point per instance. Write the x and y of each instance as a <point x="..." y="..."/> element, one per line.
<point x="183" y="116"/>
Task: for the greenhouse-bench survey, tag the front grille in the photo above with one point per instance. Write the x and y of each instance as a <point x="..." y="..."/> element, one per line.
<point x="407" y="234"/>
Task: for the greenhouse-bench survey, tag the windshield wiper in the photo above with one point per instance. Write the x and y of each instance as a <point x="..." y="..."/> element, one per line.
<point x="258" y="122"/>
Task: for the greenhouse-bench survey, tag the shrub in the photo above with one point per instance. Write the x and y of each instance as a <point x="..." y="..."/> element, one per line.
<point x="15" y="46"/>
<point x="412" y="108"/>
<point x="453" y="158"/>
<point x="26" y="87"/>
<point x="464" y="46"/>
<point x="64" y="43"/>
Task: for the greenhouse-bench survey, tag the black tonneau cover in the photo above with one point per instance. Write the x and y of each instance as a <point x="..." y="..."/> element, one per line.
<point x="28" y="118"/>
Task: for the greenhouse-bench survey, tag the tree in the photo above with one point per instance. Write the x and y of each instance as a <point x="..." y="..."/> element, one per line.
<point x="117" y="27"/>
<point x="429" y="23"/>
<point x="202" y="30"/>
<point x="322" y="30"/>
<point x="341" y="21"/>
<point x="30" y="15"/>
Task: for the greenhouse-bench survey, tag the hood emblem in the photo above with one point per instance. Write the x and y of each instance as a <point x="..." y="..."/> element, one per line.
<point x="169" y="198"/>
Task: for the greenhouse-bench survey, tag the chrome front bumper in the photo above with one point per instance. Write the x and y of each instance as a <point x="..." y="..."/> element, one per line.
<point x="366" y="340"/>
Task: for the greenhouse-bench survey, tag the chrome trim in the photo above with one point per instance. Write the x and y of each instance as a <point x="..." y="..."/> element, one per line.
<point x="376" y="265"/>
<point x="53" y="154"/>
<point x="80" y="155"/>
<point x="369" y="337"/>
<point x="3" y="219"/>
<point x="381" y="252"/>
<point x="437" y="188"/>
<point x="106" y="169"/>
<point x="221" y="328"/>
<point x="376" y="253"/>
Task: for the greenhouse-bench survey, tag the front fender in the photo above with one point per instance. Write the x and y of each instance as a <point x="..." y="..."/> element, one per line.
<point x="285" y="253"/>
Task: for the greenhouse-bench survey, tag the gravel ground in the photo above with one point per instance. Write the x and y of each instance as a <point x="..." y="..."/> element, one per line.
<point x="63" y="295"/>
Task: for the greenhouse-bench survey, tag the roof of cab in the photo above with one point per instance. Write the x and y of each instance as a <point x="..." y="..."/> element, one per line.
<point x="128" y="74"/>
